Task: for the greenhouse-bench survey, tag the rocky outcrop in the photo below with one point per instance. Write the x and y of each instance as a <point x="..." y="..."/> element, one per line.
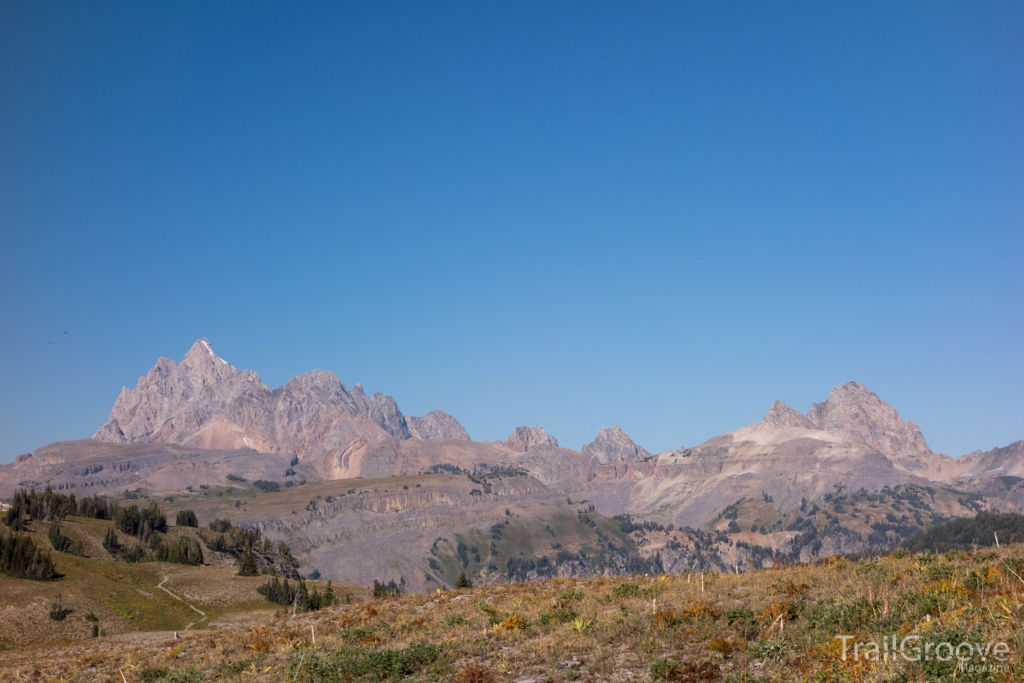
<point x="614" y="446"/>
<point x="436" y="425"/>
<point x="525" y="438"/>
<point x="1003" y="463"/>
<point x="782" y="416"/>
<point x="176" y="399"/>
<point x="856" y="410"/>
<point x="205" y="402"/>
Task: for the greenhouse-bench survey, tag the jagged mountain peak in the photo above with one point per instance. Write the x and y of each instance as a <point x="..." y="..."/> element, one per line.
<point x="857" y="411"/>
<point x="322" y="380"/>
<point x="614" y="445"/>
<point x="201" y="360"/>
<point x="781" y="415"/>
<point x="202" y="349"/>
<point x="204" y="400"/>
<point x="436" y="425"/>
<point x="173" y="397"/>
<point x="524" y="438"/>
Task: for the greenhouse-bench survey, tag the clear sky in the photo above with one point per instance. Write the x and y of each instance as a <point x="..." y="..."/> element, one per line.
<point x="575" y="214"/>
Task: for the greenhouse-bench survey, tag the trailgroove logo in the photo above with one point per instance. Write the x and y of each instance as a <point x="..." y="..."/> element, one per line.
<point x="990" y="656"/>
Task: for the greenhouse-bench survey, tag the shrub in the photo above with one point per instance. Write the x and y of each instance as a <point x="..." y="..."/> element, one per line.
<point x="351" y="662"/>
<point x="562" y="615"/>
<point x="152" y="673"/>
<point x="627" y="589"/>
<point x="463" y="582"/>
<point x="665" y="618"/>
<point x="570" y="594"/>
<point x="186" y="518"/>
<point x="721" y="645"/>
<point x="581" y="625"/>
<point x="186" y="675"/>
<point x="739" y="613"/>
<point x="512" y="622"/>
<point x="699" y="611"/>
<point x="267" y="486"/>
<point x="455" y="620"/>
<point x="774" y="649"/>
<point x="939" y="571"/>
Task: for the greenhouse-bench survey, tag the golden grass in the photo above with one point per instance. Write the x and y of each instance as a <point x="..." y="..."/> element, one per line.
<point x="747" y="627"/>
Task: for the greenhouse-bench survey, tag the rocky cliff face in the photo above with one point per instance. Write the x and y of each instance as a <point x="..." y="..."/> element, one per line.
<point x="614" y="446"/>
<point x="205" y="402"/>
<point x="177" y="398"/>
<point x="525" y="438"/>
<point x="782" y="416"/>
<point x="856" y="410"/>
<point x="436" y="425"/>
<point x="1006" y="464"/>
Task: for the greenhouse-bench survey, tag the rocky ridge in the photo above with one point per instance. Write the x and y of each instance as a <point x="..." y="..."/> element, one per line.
<point x="525" y="438"/>
<point x="201" y="421"/>
<point x="207" y="403"/>
<point x="613" y="446"/>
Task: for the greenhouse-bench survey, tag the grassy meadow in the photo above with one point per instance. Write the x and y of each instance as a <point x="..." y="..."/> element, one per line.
<point x="771" y="625"/>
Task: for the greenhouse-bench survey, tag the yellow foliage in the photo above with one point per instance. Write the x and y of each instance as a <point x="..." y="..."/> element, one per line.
<point x="511" y="623"/>
<point x="700" y="610"/>
<point x="665" y="618"/>
<point x="946" y="587"/>
<point x="721" y="645"/>
<point x="776" y="610"/>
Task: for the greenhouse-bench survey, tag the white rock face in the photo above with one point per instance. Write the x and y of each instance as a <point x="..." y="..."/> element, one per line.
<point x="614" y="445"/>
<point x="205" y="402"/>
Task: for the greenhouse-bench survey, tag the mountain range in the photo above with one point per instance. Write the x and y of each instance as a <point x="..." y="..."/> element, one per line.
<point x="801" y="485"/>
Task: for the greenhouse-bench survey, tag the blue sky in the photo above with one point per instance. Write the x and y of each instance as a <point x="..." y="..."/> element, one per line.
<point x="578" y="214"/>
